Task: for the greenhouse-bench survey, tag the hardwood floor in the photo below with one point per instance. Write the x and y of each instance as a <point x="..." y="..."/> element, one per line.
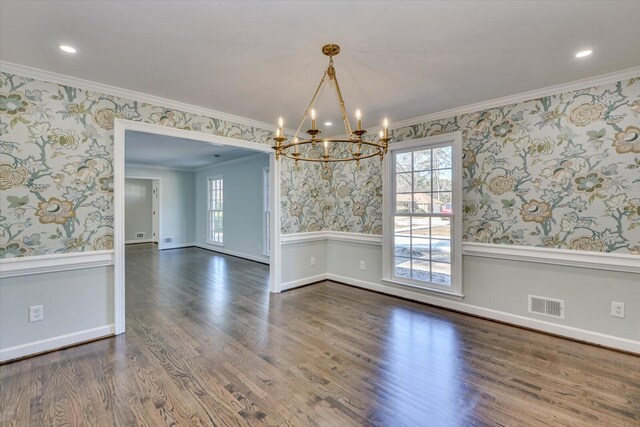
<point x="206" y="344"/>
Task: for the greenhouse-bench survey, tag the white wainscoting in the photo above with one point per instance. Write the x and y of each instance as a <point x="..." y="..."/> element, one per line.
<point x="25" y="266"/>
<point x="359" y="247"/>
<point x="55" y="343"/>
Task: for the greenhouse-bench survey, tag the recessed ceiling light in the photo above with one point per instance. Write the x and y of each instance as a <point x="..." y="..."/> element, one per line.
<point x="328" y="123"/>
<point x="68" y="49"/>
<point x="584" y="53"/>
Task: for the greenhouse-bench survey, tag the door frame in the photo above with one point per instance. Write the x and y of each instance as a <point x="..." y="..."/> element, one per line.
<point x="120" y="128"/>
<point x="159" y="203"/>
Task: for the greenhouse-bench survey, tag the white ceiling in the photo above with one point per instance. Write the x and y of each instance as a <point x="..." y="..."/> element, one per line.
<point x="148" y="149"/>
<point x="260" y="60"/>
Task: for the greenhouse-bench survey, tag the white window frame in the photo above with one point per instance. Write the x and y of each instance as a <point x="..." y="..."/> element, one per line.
<point x="211" y="212"/>
<point x="266" y="212"/>
<point x="388" y="190"/>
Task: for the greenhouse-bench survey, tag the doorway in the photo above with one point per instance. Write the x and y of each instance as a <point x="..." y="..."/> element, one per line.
<point x="121" y="127"/>
<point x="142" y="210"/>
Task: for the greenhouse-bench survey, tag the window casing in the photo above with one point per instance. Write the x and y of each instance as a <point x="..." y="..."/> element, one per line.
<point x="423" y="214"/>
<point x="215" y="218"/>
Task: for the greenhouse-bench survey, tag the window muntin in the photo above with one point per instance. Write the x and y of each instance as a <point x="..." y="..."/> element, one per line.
<point x="422" y="215"/>
<point x="215" y="219"/>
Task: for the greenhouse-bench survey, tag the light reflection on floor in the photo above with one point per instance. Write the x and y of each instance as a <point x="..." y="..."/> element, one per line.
<point x="421" y="355"/>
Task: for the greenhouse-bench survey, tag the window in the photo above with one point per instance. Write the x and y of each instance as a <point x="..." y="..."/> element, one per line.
<point x="423" y="224"/>
<point x="215" y="214"/>
<point x="266" y="214"/>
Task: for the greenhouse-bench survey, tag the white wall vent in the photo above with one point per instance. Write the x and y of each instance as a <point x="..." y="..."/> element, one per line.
<point x="140" y="235"/>
<point x="167" y="240"/>
<point x="546" y="306"/>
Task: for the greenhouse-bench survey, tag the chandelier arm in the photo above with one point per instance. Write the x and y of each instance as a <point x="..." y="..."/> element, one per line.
<point x="343" y="110"/>
<point x="313" y="100"/>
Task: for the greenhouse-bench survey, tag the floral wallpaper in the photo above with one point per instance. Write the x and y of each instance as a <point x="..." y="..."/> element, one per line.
<point x="56" y="162"/>
<point x="561" y="171"/>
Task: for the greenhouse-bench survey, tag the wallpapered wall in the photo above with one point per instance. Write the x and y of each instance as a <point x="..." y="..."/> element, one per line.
<point x="56" y="162"/>
<point x="561" y="171"/>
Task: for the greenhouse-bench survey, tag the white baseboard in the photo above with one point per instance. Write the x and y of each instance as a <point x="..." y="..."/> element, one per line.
<point x="302" y="282"/>
<point x="55" y="343"/>
<point x="222" y="250"/>
<point x="164" y="246"/>
<point x="514" y="319"/>
<point x="129" y="242"/>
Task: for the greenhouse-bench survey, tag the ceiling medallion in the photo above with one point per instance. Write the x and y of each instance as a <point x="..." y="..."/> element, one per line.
<point x="357" y="147"/>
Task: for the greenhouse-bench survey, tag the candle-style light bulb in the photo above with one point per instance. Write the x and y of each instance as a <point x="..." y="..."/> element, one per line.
<point x="385" y="124"/>
<point x="313" y="119"/>
<point x="326" y="148"/>
<point x="381" y="134"/>
<point x="295" y="146"/>
<point x="278" y="133"/>
<point x="359" y="119"/>
<point x="280" y="122"/>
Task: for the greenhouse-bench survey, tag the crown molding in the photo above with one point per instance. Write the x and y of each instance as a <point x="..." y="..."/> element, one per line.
<point x="601" y="79"/>
<point x="66" y="80"/>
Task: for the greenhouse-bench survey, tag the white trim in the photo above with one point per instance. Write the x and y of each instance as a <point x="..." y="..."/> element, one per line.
<point x="453" y="139"/>
<point x="132" y="242"/>
<point x="25" y="266"/>
<point x="119" y="131"/>
<point x="209" y="210"/>
<point x="317" y="236"/>
<point x="266" y="205"/>
<point x="602" y="79"/>
<point x="222" y="250"/>
<point x="228" y="162"/>
<point x="55" y="343"/>
<point x="514" y="319"/>
<point x="275" y="251"/>
<point x="192" y="134"/>
<point x="565" y="257"/>
<point x="161" y="245"/>
<point x="177" y="246"/>
<point x="126" y="94"/>
<point x="303" y="282"/>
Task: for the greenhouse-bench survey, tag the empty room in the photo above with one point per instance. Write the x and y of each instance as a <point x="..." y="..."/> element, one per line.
<point x="319" y="213"/>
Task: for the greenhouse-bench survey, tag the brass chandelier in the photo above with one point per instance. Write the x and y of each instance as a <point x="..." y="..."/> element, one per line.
<point x="357" y="147"/>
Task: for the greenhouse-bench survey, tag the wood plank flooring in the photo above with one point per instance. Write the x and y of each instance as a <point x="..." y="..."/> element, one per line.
<point x="206" y="344"/>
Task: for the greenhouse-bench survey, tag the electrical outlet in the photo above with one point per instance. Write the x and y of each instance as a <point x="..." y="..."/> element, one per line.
<point x="617" y="309"/>
<point x="36" y="313"/>
<point x="362" y="265"/>
<point x="313" y="261"/>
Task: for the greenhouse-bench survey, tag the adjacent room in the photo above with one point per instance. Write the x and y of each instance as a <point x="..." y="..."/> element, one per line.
<point x="339" y="213"/>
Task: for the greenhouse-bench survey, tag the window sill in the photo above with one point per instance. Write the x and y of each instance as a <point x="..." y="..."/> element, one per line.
<point x="430" y="291"/>
<point x="216" y="244"/>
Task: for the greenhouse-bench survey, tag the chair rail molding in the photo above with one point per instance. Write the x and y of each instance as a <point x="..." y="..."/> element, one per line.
<point x="39" y="264"/>
<point x="341" y="236"/>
